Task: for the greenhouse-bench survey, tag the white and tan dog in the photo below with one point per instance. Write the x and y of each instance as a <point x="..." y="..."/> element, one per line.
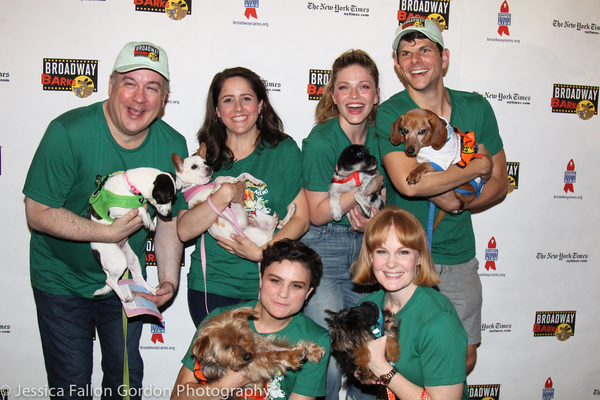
<point x="115" y="196"/>
<point x="193" y="177"/>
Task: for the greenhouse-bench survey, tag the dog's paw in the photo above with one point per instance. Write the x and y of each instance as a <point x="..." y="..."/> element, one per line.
<point x="335" y="209"/>
<point x="314" y="353"/>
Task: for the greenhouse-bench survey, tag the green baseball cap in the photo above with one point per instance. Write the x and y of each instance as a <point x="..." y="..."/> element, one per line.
<point x="415" y="24"/>
<point x="142" y="55"/>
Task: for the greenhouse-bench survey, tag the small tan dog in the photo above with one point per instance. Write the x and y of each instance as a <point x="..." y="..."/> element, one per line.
<point x="436" y="145"/>
<point x="226" y="342"/>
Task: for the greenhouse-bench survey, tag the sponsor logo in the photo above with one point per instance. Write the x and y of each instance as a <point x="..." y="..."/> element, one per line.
<point x="272" y="86"/>
<point x="317" y="79"/>
<point x="78" y="76"/>
<point x="4" y="328"/>
<point x="496" y="327"/>
<point x="491" y="255"/>
<point x="157" y="332"/>
<point x="150" y="254"/>
<point x="508" y="98"/>
<point x="176" y="10"/>
<point x="250" y="10"/>
<point x="548" y="391"/>
<point x="588" y="28"/>
<point x="349" y="10"/>
<point x="4" y="77"/>
<point x="504" y="19"/>
<point x="567" y="257"/>
<point x="484" y="392"/>
<point x="436" y="10"/>
<point x="512" y="168"/>
<point x="560" y="324"/>
<point x="575" y="99"/>
<point x="251" y="6"/>
<point x="570" y="177"/>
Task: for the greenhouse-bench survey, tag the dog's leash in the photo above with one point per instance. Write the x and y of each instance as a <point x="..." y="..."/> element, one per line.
<point x="238" y="230"/>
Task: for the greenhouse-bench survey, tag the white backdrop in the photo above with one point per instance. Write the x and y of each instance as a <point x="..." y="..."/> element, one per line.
<point x="541" y="240"/>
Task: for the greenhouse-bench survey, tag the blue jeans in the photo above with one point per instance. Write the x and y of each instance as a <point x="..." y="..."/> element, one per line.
<point x="68" y="326"/>
<point x="338" y="246"/>
<point x="197" y="304"/>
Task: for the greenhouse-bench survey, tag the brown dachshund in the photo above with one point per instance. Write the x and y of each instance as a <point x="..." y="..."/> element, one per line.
<point x="421" y="129"/>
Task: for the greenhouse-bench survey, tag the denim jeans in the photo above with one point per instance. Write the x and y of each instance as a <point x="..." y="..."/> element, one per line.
<point x="197" y="304"/>
<point x="68" y="325"/>
<point x="338" y="246"/>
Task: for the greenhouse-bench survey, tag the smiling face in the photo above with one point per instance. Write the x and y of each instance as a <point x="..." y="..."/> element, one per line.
<point x="395" y="265"/>
<point x="421" y="64"/>
<point x="135" y="100"/>
<point x="285" y="286"/>
<point x="355" y="93"/>
<point x="238" y="107"/>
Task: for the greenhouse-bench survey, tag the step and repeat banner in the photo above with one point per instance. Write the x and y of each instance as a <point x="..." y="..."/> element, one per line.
<point x="535" y="61"/>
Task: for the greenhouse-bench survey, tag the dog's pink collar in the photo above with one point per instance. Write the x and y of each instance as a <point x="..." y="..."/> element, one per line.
<point x="131" y="187"/>
<point x="353" y="176"/>
<point x="191" y="191"/>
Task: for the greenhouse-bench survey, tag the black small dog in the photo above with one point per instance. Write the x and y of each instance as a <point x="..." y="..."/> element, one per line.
<point x="352" y="329"/>
<point x="355" y="168"/>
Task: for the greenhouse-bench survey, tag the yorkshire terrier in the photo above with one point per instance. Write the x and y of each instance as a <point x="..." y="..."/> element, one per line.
<point x="352" y="329"/>
<point x="226" y="342"/>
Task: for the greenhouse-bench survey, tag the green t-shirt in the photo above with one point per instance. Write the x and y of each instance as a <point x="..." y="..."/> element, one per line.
<point x="433" y="342"/>
<point x="453" y="240"/>
<point x="227" y="274"/>
<point x="321" y="151"/>
<point x="76" y="147"/>
<point x="307" y="381"/>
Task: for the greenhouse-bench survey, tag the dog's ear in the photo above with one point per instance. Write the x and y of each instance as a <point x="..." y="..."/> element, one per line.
<point x="177" y="162"/>
<point x="200" y="346"/>
<point x="245" y="312"/>
<point x="439" y="132"/>
<point x="202" y="150"/>
<point x="397" y="136"/>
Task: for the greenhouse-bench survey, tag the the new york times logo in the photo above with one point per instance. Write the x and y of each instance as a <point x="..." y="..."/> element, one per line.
<point x="317" y="80"/>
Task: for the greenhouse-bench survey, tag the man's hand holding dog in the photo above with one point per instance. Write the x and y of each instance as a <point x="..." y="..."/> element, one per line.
<point x="127" y="225"/>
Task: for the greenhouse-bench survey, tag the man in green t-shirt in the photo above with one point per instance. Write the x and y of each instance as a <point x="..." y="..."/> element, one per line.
<point x="421" y="60"/>
<point x="121" y="133"/>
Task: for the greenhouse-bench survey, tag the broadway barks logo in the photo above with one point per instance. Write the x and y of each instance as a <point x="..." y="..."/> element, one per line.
<point x="151" y="255"/>
<point x="176" y="10"/>
<point x="484" y="392"/>
<point x="513" y="175"/>
<point x="575" y="99"/>
<point x="504" y="19"/>
<point x="78" y="76"/>
<point x="317" y="80"/>
<point x="436" y="10"/>
<point x="560" y="324"/>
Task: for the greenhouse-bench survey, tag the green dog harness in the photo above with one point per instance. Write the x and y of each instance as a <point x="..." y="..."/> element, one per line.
<point x="101" y="200"/>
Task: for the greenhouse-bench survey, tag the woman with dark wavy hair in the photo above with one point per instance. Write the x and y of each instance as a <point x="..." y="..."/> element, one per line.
<point x="243" y="133"/>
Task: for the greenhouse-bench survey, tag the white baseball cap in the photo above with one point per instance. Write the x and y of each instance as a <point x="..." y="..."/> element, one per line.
<point x="415" y="24"/>
<point x="142" y="55"/>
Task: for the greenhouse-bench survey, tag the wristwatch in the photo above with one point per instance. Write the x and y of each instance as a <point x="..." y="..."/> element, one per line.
<point x="386" y="378"/>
